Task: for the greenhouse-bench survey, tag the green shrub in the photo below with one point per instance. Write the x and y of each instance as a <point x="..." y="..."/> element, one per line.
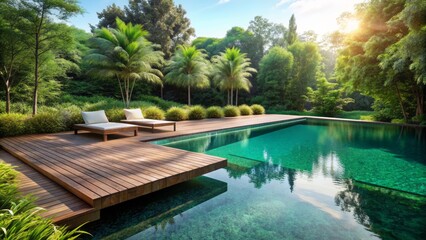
<point x="20" y="107"/>
<point x="231" y="111"/>
<point x="196" y="113"/>
<point x="7" y="182"/>
<point x="12" y="124"/>
<point x="71" y="115"/>
<point x="46" y="122"/>
<point x="399" y="121"/>
<point x="419" y="119"/>
<point x="153" y="113"/>
<point x="245" y="110"/>
<point x="215" y="112"/>
<point x="115" y="114"/>
<point x="176" y="114"/>
<point x="366" y="117"/>
<point x="19" y="217"/>
<point x="257" y="109"/>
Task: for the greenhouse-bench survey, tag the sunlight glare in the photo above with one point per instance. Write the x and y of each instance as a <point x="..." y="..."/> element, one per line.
<point x="352" y="25"/>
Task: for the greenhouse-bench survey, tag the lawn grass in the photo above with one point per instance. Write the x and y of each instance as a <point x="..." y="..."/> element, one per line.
<point x="357" y="115"/>
<point x="361" y="115"/>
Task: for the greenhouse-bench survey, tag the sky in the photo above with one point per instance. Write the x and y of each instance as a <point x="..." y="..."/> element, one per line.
<point x="213" y="18"/>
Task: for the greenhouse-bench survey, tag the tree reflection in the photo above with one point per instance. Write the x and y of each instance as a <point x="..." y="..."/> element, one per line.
<point x="389" y="213"/>
<point x="262" y="173"/>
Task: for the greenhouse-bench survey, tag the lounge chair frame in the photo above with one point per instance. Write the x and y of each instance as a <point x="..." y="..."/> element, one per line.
<point x="151" y="123"/>
<point x="107" y="131"/>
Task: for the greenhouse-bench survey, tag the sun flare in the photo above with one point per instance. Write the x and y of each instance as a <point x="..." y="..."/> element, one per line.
<point x="351" y="26"/>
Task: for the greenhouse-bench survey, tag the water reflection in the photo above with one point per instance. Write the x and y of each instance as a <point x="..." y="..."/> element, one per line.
<point x="391" y="214"/>
<point x="158" y="210"/>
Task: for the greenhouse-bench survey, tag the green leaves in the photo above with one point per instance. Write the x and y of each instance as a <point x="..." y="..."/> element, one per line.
<point x="125" y="54"/>
<point x="188" y="68"/>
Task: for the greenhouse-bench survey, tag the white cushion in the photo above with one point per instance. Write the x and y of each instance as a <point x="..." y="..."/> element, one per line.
<point x="133" y="114"/>
<point x="94" y="117"/>
<point x="110" y="126"/>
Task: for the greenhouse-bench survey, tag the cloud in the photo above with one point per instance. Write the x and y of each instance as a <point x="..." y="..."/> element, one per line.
<point x="223" y="1"/>
<point x="282" y="2"/>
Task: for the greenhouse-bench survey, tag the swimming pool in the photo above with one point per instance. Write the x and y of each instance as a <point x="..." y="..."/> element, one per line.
<point x="303" y="179"/>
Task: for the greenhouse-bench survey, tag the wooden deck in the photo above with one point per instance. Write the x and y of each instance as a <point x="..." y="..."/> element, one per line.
<point x="61" y="206"/>
<point x="89" y="174"/>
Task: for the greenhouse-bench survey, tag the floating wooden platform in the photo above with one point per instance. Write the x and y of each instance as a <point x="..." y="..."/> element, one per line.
<point x="89" y="175"/>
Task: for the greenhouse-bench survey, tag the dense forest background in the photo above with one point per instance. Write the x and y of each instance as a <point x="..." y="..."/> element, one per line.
<point x="380" y="66"/>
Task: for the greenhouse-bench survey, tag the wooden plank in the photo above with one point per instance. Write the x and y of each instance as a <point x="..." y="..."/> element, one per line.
<point x="64" y="204"/>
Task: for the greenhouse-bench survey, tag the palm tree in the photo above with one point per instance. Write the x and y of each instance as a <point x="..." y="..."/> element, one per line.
<point x="231" y="70"/>
<point x="188" y="68"/>
<point x="124" y="53"/>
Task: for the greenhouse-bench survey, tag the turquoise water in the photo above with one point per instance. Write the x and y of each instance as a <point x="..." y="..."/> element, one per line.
<point x="298" y="180"/>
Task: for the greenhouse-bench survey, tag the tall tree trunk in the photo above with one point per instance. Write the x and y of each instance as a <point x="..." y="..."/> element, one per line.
<point x="232" y="94"/>
<point x="229" y="94"/>
<point x="7" y="99"/>
<point x="419" y="93"/>
<point x="36" y="55"/>
<point x="400" y="102"/>
<point x="189" y="95"/>
<point x="236" y="97"/>
<point x="35" y="94"/>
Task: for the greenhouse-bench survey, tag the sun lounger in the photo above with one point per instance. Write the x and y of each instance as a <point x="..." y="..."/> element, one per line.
<point x="135" y="116"/>
<point x="97" y="122"/>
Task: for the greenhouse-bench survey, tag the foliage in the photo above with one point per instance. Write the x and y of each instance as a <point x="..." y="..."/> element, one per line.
<point x="231" y="70"/>
<point x="71" y="115"/>
<point x="291" y="36"/>
<point x="108" y="16"/>
<point x="215" y="112"/>
<point x="382" y="58"/>
<point x="305" y="66"/>
<point x="176" y="114"/>
<point x="274" y="76"/>
<point x="154" y="112"/>
<point x="115" y="114"/>
<point x="12" y="124"/>
<point x="124" y="54"/>
<point x="46" y="122"/>
<point x="231" y="111"/>
<point x="326" y="99"/>
<point x="46" y="38"/>
<point x="188" y="68"/>
<point x="20" y="219"/>
<point x="14" y="62"/>
<point x="167" y="24"/>
<point x="257" y="109"/>
<point x="245" y="110"/>
<point x="265" y="35"/>
<point x="197" y="112"/>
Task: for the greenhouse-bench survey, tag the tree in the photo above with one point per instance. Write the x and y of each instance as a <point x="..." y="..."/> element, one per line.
<point x="188" y="68"/>
<point x="306" y="61"/>
<point x="13" y="51"/>
<point x="108" y="15"/>
<point x="42" y="33"/>
<point x="274" y="75"/>
<point x="292" y="31"/>
<point x="327" y="98"/>
<point x="383" y="59"/>
<point x="165" y="22"/>
<point x="231" y="70"/>
<point x="260" y="42"/>
<point x="125" y="54"/>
